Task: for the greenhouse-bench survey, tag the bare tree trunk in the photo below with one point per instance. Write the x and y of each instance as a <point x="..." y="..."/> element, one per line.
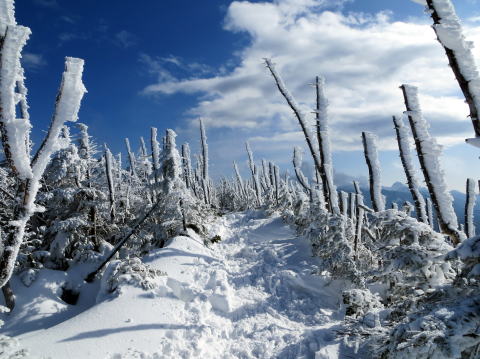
<point x="469" y="204"/>
<point x="298" y="114"/>
<point x="466" y="78"/>
<point x="412" y="180"/>
<point x="430" y="165"/>
<point x="359" y="224"/>
<point x="111" y="185"/>
<point x="9" y="296"/>
<point x="326" y="168"/>
<point x="371" y="156"/>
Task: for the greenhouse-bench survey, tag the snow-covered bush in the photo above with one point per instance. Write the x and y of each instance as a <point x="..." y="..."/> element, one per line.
<point x="129" y="272"/>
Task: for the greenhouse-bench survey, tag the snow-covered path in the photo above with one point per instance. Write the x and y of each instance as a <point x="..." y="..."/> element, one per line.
<point x="253" y="295"/>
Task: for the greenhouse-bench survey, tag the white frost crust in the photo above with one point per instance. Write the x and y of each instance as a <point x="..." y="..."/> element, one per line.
<point x="17" y="129"/>
<point x="203" y="138"/>
<point x="450" y="34"/>
<point x="7" y="15"/>
<point x="469" y="208"/>
<point x="332" y="189"/>
<point x="372" y="153"/>
<point x="155" y="149"/>
<point x="404" y="145"/>
<point x="109" y="160"/>
<point x="431" y="152"/>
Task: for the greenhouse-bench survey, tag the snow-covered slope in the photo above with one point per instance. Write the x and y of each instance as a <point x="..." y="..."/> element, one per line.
<point x="255" y="294"/>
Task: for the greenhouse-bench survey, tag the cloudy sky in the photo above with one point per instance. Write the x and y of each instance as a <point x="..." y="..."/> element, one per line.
<point x="167" y="63"/>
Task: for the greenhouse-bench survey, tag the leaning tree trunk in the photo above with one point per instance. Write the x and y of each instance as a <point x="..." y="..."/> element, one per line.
<point x="459" y="53"/>
<point x="406" y="158"/>
<point x="428" y="155"/>
<point x="298" y="113"/>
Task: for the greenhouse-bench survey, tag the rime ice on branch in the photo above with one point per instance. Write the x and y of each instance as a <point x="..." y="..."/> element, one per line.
<point x="297" y="166"/>
<point x="469" y="204"/>
<point x="406" y="158"/>
<point x="459" y="53"/>
<point x="429" y="153"/>
<point x="371" y="156"/>
<point x="66" y="109"/>
<point x="298" y="113"/>
<point x="326" y="167"/>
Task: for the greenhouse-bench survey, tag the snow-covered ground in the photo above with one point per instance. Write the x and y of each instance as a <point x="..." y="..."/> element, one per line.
<point x="255" y="294"/>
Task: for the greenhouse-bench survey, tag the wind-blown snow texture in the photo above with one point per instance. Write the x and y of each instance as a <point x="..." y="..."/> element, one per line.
<point x="253" y="295"/>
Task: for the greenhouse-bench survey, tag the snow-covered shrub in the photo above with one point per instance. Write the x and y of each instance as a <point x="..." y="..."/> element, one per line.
<point x="447" y="327"/>
<point x="129" y="272"/>
<point x="407" y="252"/>
<point x="359" y="302"/>
<point x="332" y="238"/>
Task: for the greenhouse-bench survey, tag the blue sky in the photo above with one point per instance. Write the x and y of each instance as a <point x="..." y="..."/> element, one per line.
<point x="166" y="63"/>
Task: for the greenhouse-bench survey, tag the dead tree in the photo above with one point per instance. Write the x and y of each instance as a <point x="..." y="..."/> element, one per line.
<point x="371" y="157"/>
<point x="326" y="167"/>
<point x="110" y="183"/>
<point x="15" y="136"/>
<point x="297" y="164"/>
<point x="131" y="159"/>
<point x="430" y="213"/>
<point x="359" y="224"/>
<point x="459" y="53"/>
<point x="406" y="158"/>
<point x="253" y="171"/>
<point x="428" y="153"/>
<point x="469" y="204"/>
<point x="155" y="155"/>
<point x="296" y="110"/>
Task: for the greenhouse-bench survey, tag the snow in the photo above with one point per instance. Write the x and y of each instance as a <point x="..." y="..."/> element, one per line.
<point x="7" y="15"/>
<point x="255" y="294"/>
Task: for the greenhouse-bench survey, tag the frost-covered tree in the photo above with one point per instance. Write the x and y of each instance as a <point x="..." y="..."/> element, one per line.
<point x="459" y="52"/>
<point x="371" y="156"/>
<point x="469" y="204"/>
<point x="15" y="132"/>
<point x="326" y="166"/>
<point x="407" y="163"/>
<point x="429" y="153"/>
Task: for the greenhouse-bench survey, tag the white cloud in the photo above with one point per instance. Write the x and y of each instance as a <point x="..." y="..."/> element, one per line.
<point x="33" y="61"/>
<point x="47" y="3"/>
<point x="125" y="39"/>
<point x="365" y="58"/>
